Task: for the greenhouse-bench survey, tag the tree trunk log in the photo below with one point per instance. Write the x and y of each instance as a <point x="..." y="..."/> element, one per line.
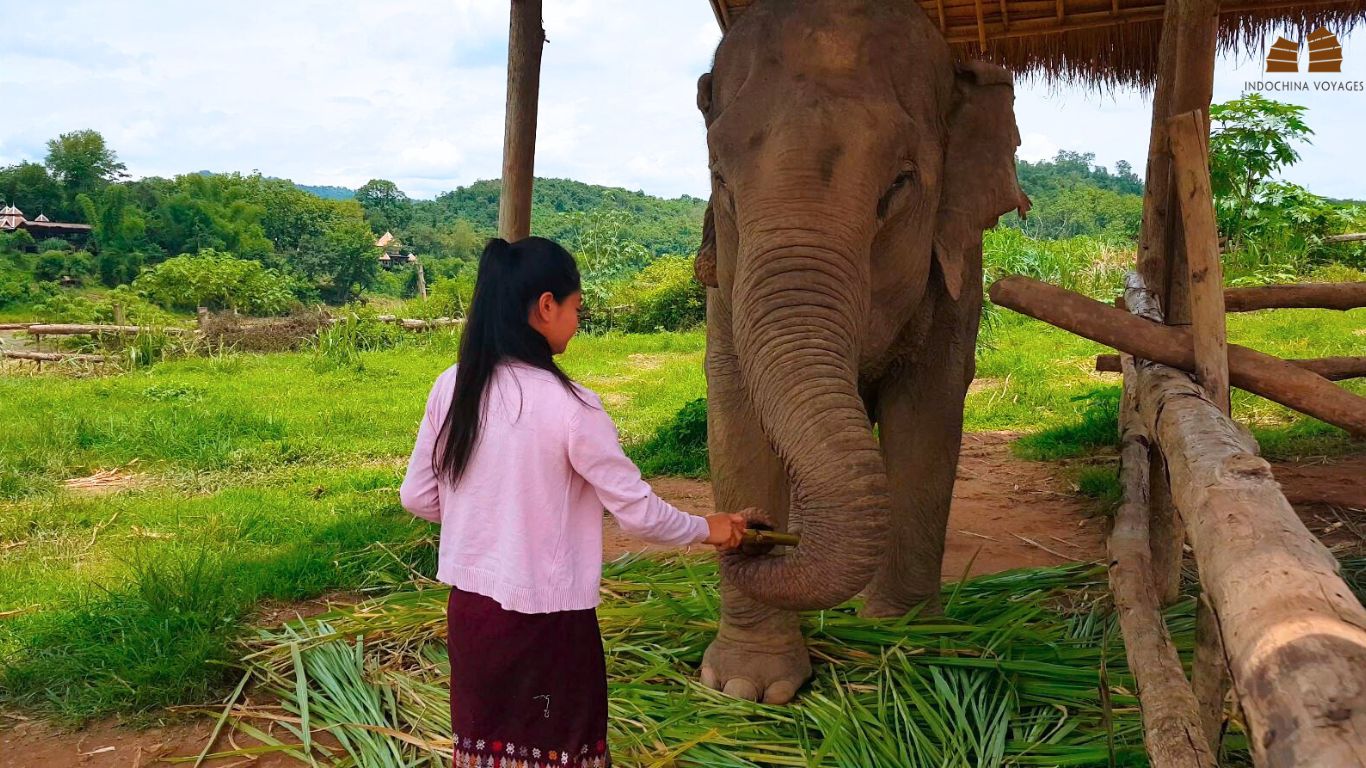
<point x="1354" y="237"/>
<point x="525" y="40"/>
<point x="51" y="357"/>
<point x="1171" y="724"/>
<point x="1331" y="368"/>
<point x="75" y="329"/>
<point x="1190" y="163"/>
<point x="1342" y="296"/>
<point x="1293" y="633"/>
<point x="1270" y="377"/>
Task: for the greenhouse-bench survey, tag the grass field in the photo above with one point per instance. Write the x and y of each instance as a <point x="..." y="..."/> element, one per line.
<point x="254" y="478"/>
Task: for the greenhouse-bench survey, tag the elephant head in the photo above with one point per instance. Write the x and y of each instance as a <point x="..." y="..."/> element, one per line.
<point x="853" y="162"/>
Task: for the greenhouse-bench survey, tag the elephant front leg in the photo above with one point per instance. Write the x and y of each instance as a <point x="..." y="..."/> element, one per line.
<point x="920" y="422"/>
<point x="759" y="652"/>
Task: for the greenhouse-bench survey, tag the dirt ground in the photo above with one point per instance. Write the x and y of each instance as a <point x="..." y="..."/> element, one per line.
<point x="1007" y="513"/>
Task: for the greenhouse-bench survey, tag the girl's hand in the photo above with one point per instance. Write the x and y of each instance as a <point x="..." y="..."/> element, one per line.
<point x="725" y="530"/>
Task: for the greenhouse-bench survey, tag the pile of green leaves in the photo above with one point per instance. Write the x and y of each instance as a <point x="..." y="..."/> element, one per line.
<point x="1025" y="668"/>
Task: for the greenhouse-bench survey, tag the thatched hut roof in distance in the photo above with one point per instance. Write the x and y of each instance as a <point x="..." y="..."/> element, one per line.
<point x="1098" y="42"/>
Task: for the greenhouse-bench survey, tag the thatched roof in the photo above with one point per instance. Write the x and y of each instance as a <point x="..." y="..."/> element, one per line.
<point x="1099" y="42"/>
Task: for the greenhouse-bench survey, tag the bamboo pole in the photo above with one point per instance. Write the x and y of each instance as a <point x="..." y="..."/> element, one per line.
<point x="1171" y="723"/>
<point x="1205" y="274"/>
<point x="1262" y="374"/>
<point x="1331" y="368"/>
<point x="1293" y="633"/>
<point x="525" y="40"/>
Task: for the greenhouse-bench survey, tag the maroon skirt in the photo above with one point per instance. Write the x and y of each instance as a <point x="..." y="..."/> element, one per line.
<point x="528" y="690"/>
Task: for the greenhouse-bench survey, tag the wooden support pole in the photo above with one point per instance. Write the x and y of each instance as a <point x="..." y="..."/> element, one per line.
<point x="1331" y="368"/>
<point x="1172" y="731"/>
<point x="1354" y="237"/>
<point x="1262" y="374"/>
<point x="1293" y="633"/>
<point x="525" y="40"/>
<point x="1343" y="296"/>
<point x="1152" y="242"/>
<point x="1190" y="165"/>
<point x="1168" y="531"/>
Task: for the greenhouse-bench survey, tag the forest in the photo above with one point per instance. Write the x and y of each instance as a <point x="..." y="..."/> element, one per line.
<point x="268" y="246"/>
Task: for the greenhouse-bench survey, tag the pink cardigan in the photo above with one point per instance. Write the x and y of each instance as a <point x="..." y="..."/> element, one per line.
<point x="524" y="524"/>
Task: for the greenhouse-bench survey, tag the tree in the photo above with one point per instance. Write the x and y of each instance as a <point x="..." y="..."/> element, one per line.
<point x="32" y="189"/>
<point x="386" y="206"/>
<point x="1250" y="139"/>
<point x="341" y="261"/>
<point x="82" y="162"/>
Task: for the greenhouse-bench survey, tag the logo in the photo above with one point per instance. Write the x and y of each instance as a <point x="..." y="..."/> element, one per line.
<point x="1325" y="54"/>
<point x="1325" y="57"/>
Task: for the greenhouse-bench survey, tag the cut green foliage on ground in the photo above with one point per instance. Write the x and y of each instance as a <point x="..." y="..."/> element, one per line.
<point x="1025" y="668"/>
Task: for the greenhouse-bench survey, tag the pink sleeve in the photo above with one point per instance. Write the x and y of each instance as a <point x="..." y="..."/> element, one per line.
<point x="419" y="494"/>
<point x="595" y="453"/>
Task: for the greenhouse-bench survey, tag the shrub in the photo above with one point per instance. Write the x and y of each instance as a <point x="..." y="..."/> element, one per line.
<point x="679" y="447"/>
<point x="664" y="296"/>
<point x="53" y="265"/>
<point x="217" y="281"/>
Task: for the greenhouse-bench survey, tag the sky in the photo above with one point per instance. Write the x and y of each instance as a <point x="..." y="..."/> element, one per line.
<point x="339" y="92"/>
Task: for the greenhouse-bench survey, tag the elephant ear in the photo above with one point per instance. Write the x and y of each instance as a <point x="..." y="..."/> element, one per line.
<point x="704" y="266"/>
<point x="979" y="167"/>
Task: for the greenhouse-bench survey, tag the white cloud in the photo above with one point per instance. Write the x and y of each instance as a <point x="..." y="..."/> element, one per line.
<point x="410" y="90"/>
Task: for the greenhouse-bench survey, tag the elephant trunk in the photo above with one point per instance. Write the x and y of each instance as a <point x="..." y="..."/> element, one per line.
<point x="797" y="332"/>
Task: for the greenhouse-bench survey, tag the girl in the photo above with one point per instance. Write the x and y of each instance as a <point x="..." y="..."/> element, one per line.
<point x="517" y="462"/>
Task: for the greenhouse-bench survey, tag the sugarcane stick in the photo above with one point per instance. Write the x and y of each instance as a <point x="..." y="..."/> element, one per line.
<point x="759" y="536"/>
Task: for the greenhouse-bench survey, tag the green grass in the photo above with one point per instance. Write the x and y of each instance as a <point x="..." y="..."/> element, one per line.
<point x="275" y="477"/>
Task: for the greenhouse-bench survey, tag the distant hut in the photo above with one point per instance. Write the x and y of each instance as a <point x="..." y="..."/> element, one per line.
<point x="42" y="228"/>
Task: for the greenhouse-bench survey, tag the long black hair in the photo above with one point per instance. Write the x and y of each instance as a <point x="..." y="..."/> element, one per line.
<point x="512" y="278"/>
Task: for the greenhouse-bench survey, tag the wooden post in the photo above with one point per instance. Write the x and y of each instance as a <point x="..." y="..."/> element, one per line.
<point x="1152" y="242"/>
<point x="421" y="282"/>
<point x="202" y="317"/>
<point x="525" y="40"/>
<point x="118" y="314"/>
<point x="1293" y="632"/>
<point x="1190" y="165"/>
<point x="1172" y="729"/>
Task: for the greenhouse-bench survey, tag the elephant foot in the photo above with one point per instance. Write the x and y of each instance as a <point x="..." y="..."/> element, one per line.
<point x="881" y="606"/>
<point x="767" y="669"/>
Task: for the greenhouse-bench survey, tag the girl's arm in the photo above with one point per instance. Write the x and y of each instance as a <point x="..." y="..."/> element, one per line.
<point x="418" y="494"/>
<point x="595" y="453"/>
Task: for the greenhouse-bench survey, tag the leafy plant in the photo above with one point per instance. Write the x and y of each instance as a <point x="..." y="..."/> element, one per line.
<point x="217" y="281"/>
<point x="678" y="448"/>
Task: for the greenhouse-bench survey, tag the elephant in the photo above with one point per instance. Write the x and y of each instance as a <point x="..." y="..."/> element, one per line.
<point x="855" y="165"/>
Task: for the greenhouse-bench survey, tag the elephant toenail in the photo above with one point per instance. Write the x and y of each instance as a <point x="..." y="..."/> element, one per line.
<point x="740" y="688"/>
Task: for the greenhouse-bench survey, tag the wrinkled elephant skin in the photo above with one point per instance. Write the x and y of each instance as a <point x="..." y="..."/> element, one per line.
<point x="855" y="166"/>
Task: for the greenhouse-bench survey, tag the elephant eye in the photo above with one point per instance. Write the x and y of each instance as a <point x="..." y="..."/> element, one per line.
<point x="902" y="180"/>
<point x="719" y="179"/>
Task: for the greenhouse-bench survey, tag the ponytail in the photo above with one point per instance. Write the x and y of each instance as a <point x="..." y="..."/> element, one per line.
<point x="511" y="279"/>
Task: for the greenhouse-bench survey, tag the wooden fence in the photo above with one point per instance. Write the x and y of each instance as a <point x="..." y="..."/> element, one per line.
<point x="1276" y="625"/>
